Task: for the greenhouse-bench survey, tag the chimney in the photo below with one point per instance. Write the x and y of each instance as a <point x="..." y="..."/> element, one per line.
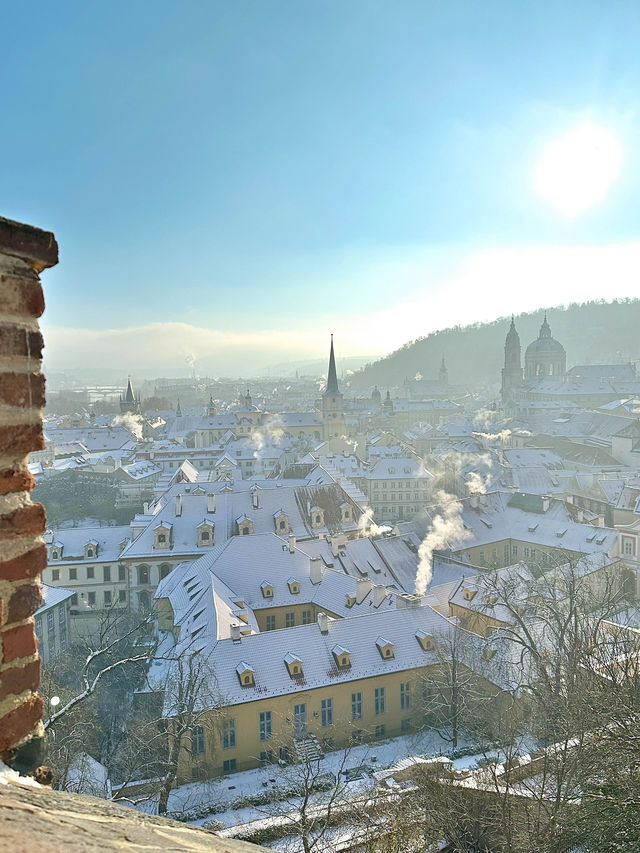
<point x="178" y="504"/>
<point x="546" y="500"/>
<point x="363" y="587"/>
<point x="474" y="501"/>
<point x="255" y="497"/>
<point x="379" y="594"/>
<point x="145" y="508"/>
<point x="292" y="543"/>
<point x="334" y="546"/>
<point x="315" y="570"/>
<point x="323" y="623"/>
<point x="235" y="633"/>
<point x="211" y="503"/>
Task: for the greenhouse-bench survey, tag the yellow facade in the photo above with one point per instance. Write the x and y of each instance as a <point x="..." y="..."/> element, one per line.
<point x="394" y="717"/>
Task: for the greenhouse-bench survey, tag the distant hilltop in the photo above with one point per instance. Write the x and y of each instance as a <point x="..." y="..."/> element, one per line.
<point x="591" y="332"/>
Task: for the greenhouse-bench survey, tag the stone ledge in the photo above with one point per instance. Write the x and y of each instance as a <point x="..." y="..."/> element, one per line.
<point x="37" y="818"/>
<point x="29" y="243"/>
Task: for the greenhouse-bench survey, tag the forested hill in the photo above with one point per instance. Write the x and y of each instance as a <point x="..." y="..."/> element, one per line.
<point x="591" y="333"/>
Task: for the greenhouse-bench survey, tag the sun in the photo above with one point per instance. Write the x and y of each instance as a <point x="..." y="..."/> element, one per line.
<point x="576" y="170"/>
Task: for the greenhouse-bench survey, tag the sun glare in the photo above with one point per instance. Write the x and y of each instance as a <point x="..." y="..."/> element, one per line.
<point x="576" y="171"/>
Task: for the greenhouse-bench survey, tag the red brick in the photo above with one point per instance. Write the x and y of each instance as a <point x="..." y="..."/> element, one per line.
<point x="16" y="340"/>
<point x="24" y="602"/>
<point x="19" y="480"/>
<point x="22" y="389"/>
<point x="20" y="678"/>
<point x="22" y="294"/>
<point x="21" y="438"/>
<point x="18" y="642"/>
<point x="27" y="519"/>
<point x="25" y="566"/>
<point x="29" y="243"/>
<point x="18" y="723"/>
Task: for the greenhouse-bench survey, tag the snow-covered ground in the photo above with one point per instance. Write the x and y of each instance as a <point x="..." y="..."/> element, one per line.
<point x="220" y="794"/>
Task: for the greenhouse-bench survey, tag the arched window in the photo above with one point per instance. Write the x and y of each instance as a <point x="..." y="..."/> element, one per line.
<point x="144" y="601"/>
<point x="143" y="575"/>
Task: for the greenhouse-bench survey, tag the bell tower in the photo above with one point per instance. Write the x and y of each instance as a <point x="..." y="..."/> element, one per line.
<point x="333" y="403"/>
<point x="512" y="370"/>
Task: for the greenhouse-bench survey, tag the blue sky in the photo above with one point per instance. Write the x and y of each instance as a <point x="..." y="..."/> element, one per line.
<point x="233" y="180"/>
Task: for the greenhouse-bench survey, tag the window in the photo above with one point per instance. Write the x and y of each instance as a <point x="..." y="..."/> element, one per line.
<point x="39" y="629"/>
<point x="405" y="695"/>
<point x="289" y="620"/>
<point x="306" y="617"/>
<point x="91" y="599"/>
<point x="266" y="730"/>
<point x="55" y="574"/>
<point x="122" y="596"/>
<point x="164" y="571"/>
<point x="326" y="712"/>
<point x="51" y="630"/>
<point x="270" y="622"/>
<point x="405" y="725"/>
<point x="62" y="627"/>
<point x="122" y="576"/>
<point x="299" y="720"/>
<point x="90" y="572"/>
<point x="106" y="572"/>
<point x="228" y="734"/>
<point x="197" y="740"/>
<point x="628" y="547"/>
<point x="514" y="550"/>
<point x="356" y="706"/>
<point x="107" y="597"/>
<point x="317" y="519"/>
<point x="74" y="599"/>
<point x="380" y="730"/>
<point x="162" y="538"/>
<point x="266" y="756"/>
<point x="73" y="574"/>
<point x="379" y="700"/>
<point x="281" y="525"/>
<point x="229" y="765"/>
<point x="143" y="574"/>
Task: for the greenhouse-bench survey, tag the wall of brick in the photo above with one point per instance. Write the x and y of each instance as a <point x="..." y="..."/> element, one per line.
<point x="24" y="253"/>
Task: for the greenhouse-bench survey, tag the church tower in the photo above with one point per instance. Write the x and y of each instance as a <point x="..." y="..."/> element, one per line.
<point x="210" y="410"/>
<point x="512" y="370"/>
<point x="332" y="403"/>
<point x="129" y="401"/>
<point x="443" y="375"/>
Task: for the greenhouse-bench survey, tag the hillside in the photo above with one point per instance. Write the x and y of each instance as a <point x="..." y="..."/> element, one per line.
<point x="591" y="333"/>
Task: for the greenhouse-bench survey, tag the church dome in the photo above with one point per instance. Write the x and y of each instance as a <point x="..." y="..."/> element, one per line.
<point x="545" y="357"/>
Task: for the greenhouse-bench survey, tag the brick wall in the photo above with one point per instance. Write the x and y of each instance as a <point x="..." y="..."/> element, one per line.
<point x="24" y="253"/>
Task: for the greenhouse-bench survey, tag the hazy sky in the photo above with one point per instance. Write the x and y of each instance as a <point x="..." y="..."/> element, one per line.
<point x="233" y="180"/>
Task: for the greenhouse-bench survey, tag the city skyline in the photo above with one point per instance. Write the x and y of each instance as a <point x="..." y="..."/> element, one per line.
<point x="235" y="181"/>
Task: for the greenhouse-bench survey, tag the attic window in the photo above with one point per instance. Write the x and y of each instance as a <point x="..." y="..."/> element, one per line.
<point x="341" y="656"/>
<point x="533" y="527"/>
<point x="469" y="594"/>
<point x="426" y="641"/>
<point x="162" y="537"/>
<point x="600" y="540"/>
<point x="488" y="653"/>
<point x="294" y="665"/>
<point x="267" y="590"/>
<point x="89" y="552"/>
<point x="245" y="531"/>
<point x="246" y="674"/>
<point x="385" y="648"/>
<point x="560" y="533"/>
<point x="55" y="555"/>
<point x="317" y="519"/>
<point x="294" y="586"/>
<point x="591" y="537"/>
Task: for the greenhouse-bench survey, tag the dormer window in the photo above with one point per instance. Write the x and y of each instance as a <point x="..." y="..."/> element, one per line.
<point x="294" y="665"/>
<point x="246" y="675"/>
<point x="345" y="511"/>
<point x="341" y="656"/>
<point x="427" y="643"/>
<point x="294" y="586"/>
<point x="205" y="534"/>
<point x="162" y="536"/>
<point x="281" y="521"/>
<point x="469" y="594"/>
<point x="266" y="589"/>
<point x="245" y="525"/>
<point x="317" y="517"/>
<point x="385" y="647"/>
<point x="55" y="554"/>
<point x="91" y="550"/>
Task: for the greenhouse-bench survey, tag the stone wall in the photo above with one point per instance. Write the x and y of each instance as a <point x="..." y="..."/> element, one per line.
<point x="24" y="253"/>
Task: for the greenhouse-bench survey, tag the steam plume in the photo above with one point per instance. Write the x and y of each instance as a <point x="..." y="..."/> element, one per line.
<point x="446" y="530"/>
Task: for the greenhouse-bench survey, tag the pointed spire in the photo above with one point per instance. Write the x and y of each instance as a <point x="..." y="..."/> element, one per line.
<point x="129" y="395"/>
<point x="332" y="377"/>
<point x="178" y="409"/>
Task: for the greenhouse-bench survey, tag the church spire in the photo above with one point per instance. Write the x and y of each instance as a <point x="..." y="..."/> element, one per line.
<point x="332" y="377"/>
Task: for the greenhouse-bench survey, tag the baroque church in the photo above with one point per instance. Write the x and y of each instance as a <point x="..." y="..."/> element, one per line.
<point x="544" y="359"/>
